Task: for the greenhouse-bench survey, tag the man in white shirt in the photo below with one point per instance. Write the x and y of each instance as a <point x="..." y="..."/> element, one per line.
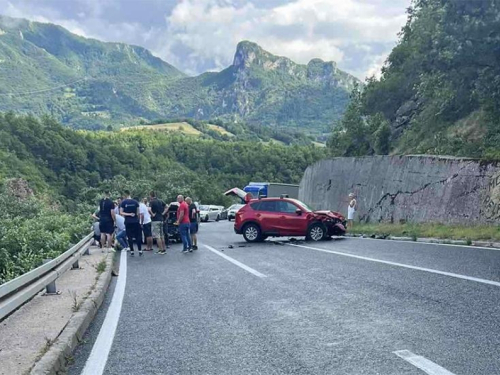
<point x="146" y="225"/>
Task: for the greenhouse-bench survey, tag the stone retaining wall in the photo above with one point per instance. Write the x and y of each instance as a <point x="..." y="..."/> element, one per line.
<point x="407" y="188"/>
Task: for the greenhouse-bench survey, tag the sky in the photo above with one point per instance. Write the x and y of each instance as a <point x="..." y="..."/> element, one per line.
<point x="201" y="35"/>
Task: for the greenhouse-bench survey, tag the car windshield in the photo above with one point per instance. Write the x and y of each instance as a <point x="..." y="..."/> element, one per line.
<point x="204" y="208"/>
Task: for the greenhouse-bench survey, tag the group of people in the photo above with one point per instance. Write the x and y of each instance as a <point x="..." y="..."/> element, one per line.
<point x="127" y="220"/>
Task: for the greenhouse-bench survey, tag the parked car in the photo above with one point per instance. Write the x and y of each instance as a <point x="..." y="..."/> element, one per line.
<point x="279" y="217"/>
<point x="223" y="214"/>
<point x="231" y="211"/>
<point x="210" y="212"/>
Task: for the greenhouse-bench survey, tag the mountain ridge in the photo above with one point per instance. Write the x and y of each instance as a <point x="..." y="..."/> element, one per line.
<point x="123" y="84"/>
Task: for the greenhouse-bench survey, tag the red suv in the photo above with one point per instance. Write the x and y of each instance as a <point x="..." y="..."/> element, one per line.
<point x="278" y="217"/>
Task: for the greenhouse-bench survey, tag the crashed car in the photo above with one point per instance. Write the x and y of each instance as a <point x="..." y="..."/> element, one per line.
<point x="283" y="217"/>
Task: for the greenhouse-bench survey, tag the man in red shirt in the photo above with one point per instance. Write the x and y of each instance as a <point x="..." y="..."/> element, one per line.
<point x="184" y="223"/>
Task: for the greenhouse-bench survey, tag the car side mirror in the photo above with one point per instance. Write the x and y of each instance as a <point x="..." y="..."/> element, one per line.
<point x="298" y="211"/>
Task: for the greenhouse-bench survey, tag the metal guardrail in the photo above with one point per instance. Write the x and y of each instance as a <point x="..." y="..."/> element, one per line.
<point x="16" y="292"/>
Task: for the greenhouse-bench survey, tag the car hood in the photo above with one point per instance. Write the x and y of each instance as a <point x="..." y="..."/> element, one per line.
<point x="331" y="214"/>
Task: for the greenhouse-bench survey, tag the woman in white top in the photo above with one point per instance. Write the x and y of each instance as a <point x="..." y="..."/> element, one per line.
<point x="351" y="209"/>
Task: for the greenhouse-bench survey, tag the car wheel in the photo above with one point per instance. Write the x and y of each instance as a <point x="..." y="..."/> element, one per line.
<point x="206" y="218"/>
<point x="217" y="218"/>
<point x="228" y="218"/>
<point x="316" y="232"/>
<point x="252" y="233"/>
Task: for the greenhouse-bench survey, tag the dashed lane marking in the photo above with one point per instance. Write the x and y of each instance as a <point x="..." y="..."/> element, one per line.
<point x="235" y="262"/>
<point x="422" y="363"/>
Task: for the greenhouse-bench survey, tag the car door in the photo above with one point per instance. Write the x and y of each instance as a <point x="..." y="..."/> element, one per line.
<point x="267" y="217"/>
<point x="290" y="223"/>
<point x="214" y="211"/>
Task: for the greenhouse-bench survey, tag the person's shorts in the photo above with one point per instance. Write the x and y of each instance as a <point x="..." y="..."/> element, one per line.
<point x="193" y="228"/>
<point x="157" y="230"/>
<point x="107" y="227"/>
<point x="146" y="229"/>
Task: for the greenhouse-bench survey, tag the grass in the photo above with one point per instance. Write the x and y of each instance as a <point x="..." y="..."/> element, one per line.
<point x="181" y="127"/>
<point x="220" y="129"/>
<point x="441" y="231"/>
<point x="318" y="144"/>
<point x="76" y="304"/>
<point x="101" y="266"/>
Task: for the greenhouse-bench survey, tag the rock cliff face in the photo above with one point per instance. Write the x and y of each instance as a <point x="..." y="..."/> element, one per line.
<point x="114" y="83"/>
<point x="407" y="188"/>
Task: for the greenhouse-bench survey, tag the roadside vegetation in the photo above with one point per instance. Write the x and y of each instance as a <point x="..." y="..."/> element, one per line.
<point x="33" y="229"/>
<point x="440" y="231"/>
<point x="52" y="177"/>
<point x="439" y="92"/>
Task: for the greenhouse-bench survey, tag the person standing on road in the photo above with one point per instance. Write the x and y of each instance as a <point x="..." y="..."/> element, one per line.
<point x="193" y="218"/>
<point x="129" y="209"/>
<point x="156" y="208"/>
<point x="184" y="223"/>
<point x="106" y="220"/>
<point x="351" y="210"/>
<point x="146" y="225"/>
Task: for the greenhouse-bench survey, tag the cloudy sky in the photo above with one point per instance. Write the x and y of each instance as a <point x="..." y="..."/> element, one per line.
<point x="201" y="35"/>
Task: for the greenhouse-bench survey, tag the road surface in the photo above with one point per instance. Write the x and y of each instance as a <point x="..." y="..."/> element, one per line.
<point x="348" y="306"/>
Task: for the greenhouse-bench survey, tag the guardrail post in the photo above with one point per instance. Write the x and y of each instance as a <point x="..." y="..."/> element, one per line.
<point x="51" y="288"/>
<point x="75" y="266"/>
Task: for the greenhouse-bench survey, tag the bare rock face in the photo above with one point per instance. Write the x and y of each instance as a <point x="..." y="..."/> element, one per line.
<point x="407" y="188"/>
<point x="19" y="188"/>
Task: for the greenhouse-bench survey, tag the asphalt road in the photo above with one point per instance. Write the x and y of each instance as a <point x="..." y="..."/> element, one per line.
<point x="278" y="308"/>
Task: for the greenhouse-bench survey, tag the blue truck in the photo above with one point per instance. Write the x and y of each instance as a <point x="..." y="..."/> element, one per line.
<point x="271" y="190"/>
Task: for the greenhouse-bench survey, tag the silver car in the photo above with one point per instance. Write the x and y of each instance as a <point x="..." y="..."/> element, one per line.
<point x="231" y="211"/>
<point x="210" y="212"/>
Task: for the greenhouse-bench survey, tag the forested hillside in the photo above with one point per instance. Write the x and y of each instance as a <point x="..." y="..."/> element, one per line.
<point x="440" y="88"/>
<point x="67" y="171"/>
<point x="88" y="84"/>
<point x="70" y="164"/>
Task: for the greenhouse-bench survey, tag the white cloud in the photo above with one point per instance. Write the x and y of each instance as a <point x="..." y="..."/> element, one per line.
<point x="200" y="35"/>
<point x="301" y="30"/>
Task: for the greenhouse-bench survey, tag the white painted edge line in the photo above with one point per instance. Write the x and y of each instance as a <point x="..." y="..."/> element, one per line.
<point x="422" y="363"/>
<point x="235" y="262"/>
<point x="450" y="274"/>
<point x="97" y="359"/>
<point x="429" y="243"/>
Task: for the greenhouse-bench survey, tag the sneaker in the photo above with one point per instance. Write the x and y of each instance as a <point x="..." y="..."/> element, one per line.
<point x="126" y="249"/>
<point x="190" y="249"/>
<point x="140" y="253"/>
<point x="195" y="247"/>
<point x="163" y="252"/>
<point x="132" y="254"/>
<point x="184" y="251"/>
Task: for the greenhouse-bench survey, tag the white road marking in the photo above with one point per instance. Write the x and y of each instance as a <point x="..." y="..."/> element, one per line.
<point x="450" y="274"/>
<point x="99" y="356"/>
<point x="422" y="363"/>
<point x="234" y="261"/>
<point x="429" y="243"/>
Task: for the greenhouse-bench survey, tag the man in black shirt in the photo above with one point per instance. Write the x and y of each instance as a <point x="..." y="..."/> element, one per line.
<point x="106" y="220"/>
<point x="193" y="219"/>
<point x="129" y="209"/>
<point x="156" y="208"/>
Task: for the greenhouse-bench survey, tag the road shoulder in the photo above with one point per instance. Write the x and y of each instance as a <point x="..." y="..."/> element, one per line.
<point x="41" y="335"/>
